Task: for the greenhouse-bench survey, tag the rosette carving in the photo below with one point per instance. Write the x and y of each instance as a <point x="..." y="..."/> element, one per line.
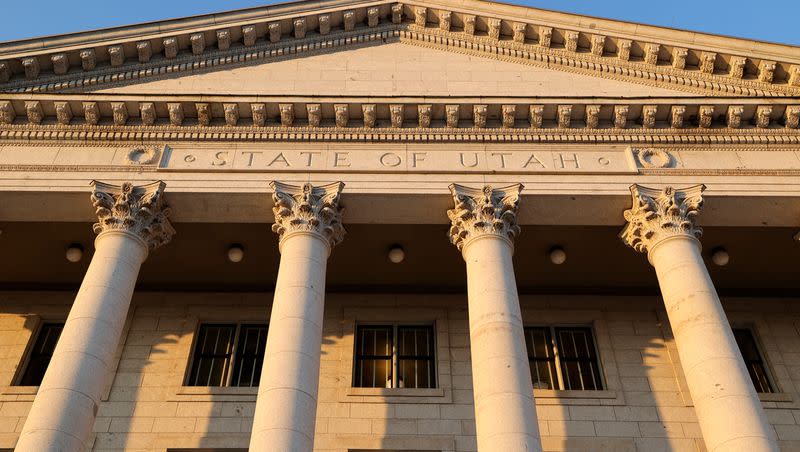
<point x="139" y="210"/>
<point x="308" y="209"/>
<point x="483" y="211"/>
<point x="658" y="214"/>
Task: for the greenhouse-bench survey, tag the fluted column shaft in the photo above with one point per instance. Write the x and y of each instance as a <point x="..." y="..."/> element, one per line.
<point x="484" y="225"/>
<point x="307" y="219"/>
<point x="726" y="404"/>
<point x="66" y="404"/>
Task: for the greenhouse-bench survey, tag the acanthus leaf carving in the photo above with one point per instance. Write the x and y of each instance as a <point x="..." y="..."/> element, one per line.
<point x="705" y="116"/>
<point x="493" y="28"/>
<point x="766" y="71"/>
<point x="519" y="32"/>
<point x="396" y="115"/>
<point x="734" y="116"/>
<point x="373" y="17"/>
<point x="223" y="39"/>
<point x="649" y="116"/>
<point x="481" y="212"/>
<point x="119" y="113"/>
<point x="624" y="49"/>
<point x="259" y="114"/>
<point x="658" y="214"/>
<point x="509" y="115"/>
<point x="274" y="31"/>
<point x="7" y="113"/>
<point x="651" y="53"/>
<point x="592" y="116"/>
<point x="545" y="36"/>
<point x="287" y="114"/>
<point x="621" y="116"/>
<point x="737" y="66"/>
<point x="677" y="115"/>
<point x="571" y="40"/>
<point x="91" y="113"/>
<point x="144" y="51"/>
<point x="116" y="55"/>
<point x="397" y="13"/>
<point x="60" y="63"/>
<point x="424" y="113"/>
<point x="203" y="113"/>
<point x="792" y="116"/>
<point x="63" y="112"/>
<point x="88" y="59"/>
<point x="147" y="112"/>
<point x="598" y="45"/>
<point x="536" y="116"/>
<point x="479" y="113"/>
<point x="170" y="47"/>
<point x="198" y="41"/>
<point x="469" y="24"/>
<point x="33" y="109"/>
<point x="679" y="55"/>
<point x="308" y="209"/>
<point x="707" y="62"/>
<point x="763" y="116"/>
<point x="349" y="20"/>
<point x="564" y="116"/>
<point x="368" y="112"/>
<point x="138" y="210"/>
<point x="452" y="115"/>
<point x="231" y="112"/>
<point x="314" y="112"/>
<point x="248" y="35"/>
<point x="175" y="113"/>
<point x="299" y="28"/>
<point x="342" y="114"/>
<point x="445" y="20"/>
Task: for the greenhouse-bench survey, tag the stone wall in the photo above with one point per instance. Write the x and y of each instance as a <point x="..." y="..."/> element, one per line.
<point x="645" y="406"/>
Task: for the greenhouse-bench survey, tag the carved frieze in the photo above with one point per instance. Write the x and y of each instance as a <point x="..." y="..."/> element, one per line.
<point x="792" y="116"/>
<point x="624" y="49"/>
<point x="444" y="20"/>
<point x="249" y="35"/>
<point x="707" y="62"/>
<point x="259" y="114"/>
<point x="763" y="116"/>
<point x="170" y="47"/>
<point x="223" y="39"/>
<point x="396" y="115"/>
<point x="545" y="36"/>
<point x="598" y="45"/>
<point x="766" y="71"/>
<point x="7" y="113"/>
<point x="469" y="24"/>
<point x="679" y="55"/>
<point x="592" y="116"/>
<point x="536" y="117"/>
<point x="397" y="13"/>
<point x="287" y="114"/>
<point x="299" y="28"/>
<point x="368" y="112"/>
<point x="493" y="28"/>
<point x="138" y="210"/>
<point x="175" y="113"/>
<point x="308" y="209"/>
<point x="509" y="113"/>
<point x="324" y="24"/>
<point x="60" y="63"/>
<point x="658" y="214"/>
<point x="424" y="114"/>
<point x="705" y="116"/>
<point x="342" y="114"/>
<point x="274" y="31"/>
<point x="737" y="65"/>
<point x="198" y="42"/>
<point x="88" y="59"/>
<point x="31" y="67"/>
<point x="147" y="112"/>
<point x="119" y="113"/>
<point x="482" y="212"/>
<point x="144" y="51"/>
<point x="373" y="16"/>
<point x="203" y="113"/>
<point x="479" y="113"/>
<point x="63" y="112"/>
<point x="314" y="112"/>
<point x="519" y="32"/>
<point x="33" y="109"/>
<point x="651" y="53"/>
<point x="564" y="116"/>
<point x="452" y="115"/>
<point x="231" y="111"/>
<point x="571" y="40"/>
<point x="91" y="113"/>
<point x="677" y="115"/>
<point x="116" y="55"/>
<point x="734" y="116"/>
<point x="649" y="116"/>
<point x="349" y="20"/>
<point x="620" y="116"/>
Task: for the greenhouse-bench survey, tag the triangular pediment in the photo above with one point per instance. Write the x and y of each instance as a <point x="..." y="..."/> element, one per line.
<point x="492" y="49"/>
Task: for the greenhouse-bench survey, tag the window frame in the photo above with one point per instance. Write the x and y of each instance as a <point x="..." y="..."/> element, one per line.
<point x="230" y="368"/>
<point x="395" y="357"/>
<point x="770" y="379"/>
<point x="558" y="361"/>
<point x="22" y="369"/>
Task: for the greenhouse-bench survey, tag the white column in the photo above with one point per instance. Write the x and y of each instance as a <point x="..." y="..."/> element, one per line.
<point x="484" y="226"/>
<point x="132" y="220"/>
<point x="662" y="224"/>
<point x="308" y="221"/>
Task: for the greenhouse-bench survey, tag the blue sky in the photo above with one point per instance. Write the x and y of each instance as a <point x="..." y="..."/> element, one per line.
<point x="776" y="20"/>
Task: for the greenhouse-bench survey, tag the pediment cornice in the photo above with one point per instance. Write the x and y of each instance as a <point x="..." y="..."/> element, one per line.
<point x="698" y="63"/>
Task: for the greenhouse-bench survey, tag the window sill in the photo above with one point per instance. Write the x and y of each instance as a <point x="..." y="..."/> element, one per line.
<point x="775" y="397"/>
<point x="18" y="393"/>
<point x="554" y="397"/>
<point x="395" y="395"/>
<point x="214" y="394"/>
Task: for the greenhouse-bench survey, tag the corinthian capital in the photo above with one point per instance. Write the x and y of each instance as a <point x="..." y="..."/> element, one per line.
<point x="139" y="210"/>
<point x="308" y="209"/>
<point x="658" y="214"/>
<point x="483" y="211"/>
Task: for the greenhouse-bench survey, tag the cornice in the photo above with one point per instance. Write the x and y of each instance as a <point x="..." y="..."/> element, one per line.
<point x="285" y="32"/>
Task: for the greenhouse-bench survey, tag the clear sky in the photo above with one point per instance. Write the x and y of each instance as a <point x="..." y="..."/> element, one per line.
<point x="775" y="20"/>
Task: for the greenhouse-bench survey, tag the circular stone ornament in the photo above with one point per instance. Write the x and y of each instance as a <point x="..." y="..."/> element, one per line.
<point x="654" y="158"/>
<point x="143" y="155"/>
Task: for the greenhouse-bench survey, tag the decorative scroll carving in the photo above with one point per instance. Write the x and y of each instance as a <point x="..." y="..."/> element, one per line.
<point x="170" y="47"/>
<point x="33" y="109"/>
<point x="424" y="113"/>
<point x="314" y="114"/>
<point x="324" y="24"/>
<point x="444" y="20"/>
<point x="493" y="28"/>
<point x="545" y="36"/>
<point x="147" y="111"/>
<point x="203" y="113"/>
<point x="91" y="113"/>
<point x="705" y="116"/>
<point x="299" y="28"/>
<point x="564" y="116"/>
<point x="707" y="62"/>
<point x="658" y="214"/>
<point x="536" y="116"/>
<point x="397" y="13"/>
<point x="342" y="114"/>
<point x="620" y="116"/>
<point x="349" y="20"/>
<point x="144" y="51"/>
<point x="63" y="112"/>
<point x="792" y="116"/>
<point x="88" y="59"/>
<point x="287" y="114"/>
<point x="481" y="212"/>
<point x="396" y="115"/>
<point x="60" y="63"/>
<point x="624" y="49"/>
<point x="649" y="116"/>
<point x="519" y="32"/>
<point x="248" y="35"/>
<point x="653" y="158"/>
<point x="679" y="57"/>
<point x="509" y="115"/>
<point x="274" y="31"/>
<point x="308" y="209"/>
<point x="766" y="71"/>
<point x="116" y="55"/>
<point x="598" y="45"/>
<point x="198" y="41"/>
<point x="734" y="116"/>
<point x="571" y="40"/>
<point x="259" y="114"/>
<point x="677" y="114"/>
<point x="119" y="113"/>
<point x="592" y="116"/>
<point x="175" y="113"/>
<point x="223" y="39"/>
<point x="737" y="65"/>
<point x="452" y="115"/>
<point x="420" y="16"/>
<point x="368" y="112"/>
<point x="231" y="114"/>
<point x="7" y="113"/>
<point x="469" y="24"/>
<point x="651" y="53"/>
<point x="31" y="67"/>
<point x="143" y="155"/>
<point x="139" y="210"/>
<point x="479" y="113"/>
<point x="763" y="115"/>
<point x="373" y="17"/>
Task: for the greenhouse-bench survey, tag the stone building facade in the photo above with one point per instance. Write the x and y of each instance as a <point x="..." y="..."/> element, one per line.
<point x="494" y="228"/>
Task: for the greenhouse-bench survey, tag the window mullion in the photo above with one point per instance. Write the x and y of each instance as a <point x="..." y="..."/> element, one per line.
<point x="395" y="360"/>
<point x="557" y="357"/>
<point x="233" y="350"/>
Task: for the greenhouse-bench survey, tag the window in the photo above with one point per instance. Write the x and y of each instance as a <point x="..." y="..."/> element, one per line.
<point x="752" y="359"/>
<point x="394" y="356"/>
<point x="563" y="358"/>
<point x="40" y="354"/>
<point x="228" y="355"/>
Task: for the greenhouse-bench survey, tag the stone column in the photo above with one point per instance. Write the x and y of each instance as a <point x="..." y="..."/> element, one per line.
<point x="662" y="223"/>
<point x="308" y="222"/>
<point x="132" y="220"/>
<point x="483" y="227"/>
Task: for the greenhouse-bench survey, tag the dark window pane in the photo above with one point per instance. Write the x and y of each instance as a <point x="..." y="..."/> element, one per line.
<point x="373" y="373"/>
<point x="415" y="357"/>
<point x="212" y="355"/>
<point x="580" y="368"/>
<point x="249" y="355"/>
<point x="41" y="353"/>
<point x="752" y="360"/>
<point x="541" y="358"/>
<point x="373" y="363"/>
